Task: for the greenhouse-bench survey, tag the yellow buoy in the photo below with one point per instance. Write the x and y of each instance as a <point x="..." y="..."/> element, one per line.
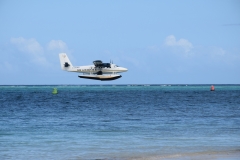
<point x="54" y="91"/>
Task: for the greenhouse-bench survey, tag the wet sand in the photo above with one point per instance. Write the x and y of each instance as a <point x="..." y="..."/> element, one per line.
<point x="225" y="155"/>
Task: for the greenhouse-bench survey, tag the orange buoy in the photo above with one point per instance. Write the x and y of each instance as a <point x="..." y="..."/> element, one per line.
<point x="212" y="88"/>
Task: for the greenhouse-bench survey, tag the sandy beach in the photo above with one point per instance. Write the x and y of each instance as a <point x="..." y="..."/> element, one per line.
<point x="223" y="155"/>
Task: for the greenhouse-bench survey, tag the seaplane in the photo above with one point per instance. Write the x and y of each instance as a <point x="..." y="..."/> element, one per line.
<point x="97" y="71"/>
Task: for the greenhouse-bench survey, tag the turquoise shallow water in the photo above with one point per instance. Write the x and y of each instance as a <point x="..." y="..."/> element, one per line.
<point x="118" y="122"/>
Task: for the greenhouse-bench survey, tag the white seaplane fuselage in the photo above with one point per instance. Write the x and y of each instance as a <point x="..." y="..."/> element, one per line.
<point x="104" y="71"/>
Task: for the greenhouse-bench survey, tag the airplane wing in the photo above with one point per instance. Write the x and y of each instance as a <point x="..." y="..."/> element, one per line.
<point x="99" y="63"/>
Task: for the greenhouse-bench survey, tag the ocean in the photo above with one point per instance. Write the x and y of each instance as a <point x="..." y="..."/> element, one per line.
<point x="120" y="122"/>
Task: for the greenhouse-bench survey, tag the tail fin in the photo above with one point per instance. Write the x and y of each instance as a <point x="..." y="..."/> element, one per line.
<point x="65" y="62"/>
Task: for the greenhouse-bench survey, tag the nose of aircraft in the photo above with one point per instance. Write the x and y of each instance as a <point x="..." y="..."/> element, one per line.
<point x="124" y="69"/>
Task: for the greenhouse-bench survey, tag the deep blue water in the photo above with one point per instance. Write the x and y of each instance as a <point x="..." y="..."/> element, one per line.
<point x="117" y="122"/>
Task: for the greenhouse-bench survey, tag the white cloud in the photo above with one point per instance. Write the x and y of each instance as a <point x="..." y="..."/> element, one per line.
<point x="58" y="45"/>
<point x="36" y="53"/>
<point x="27" y="45"/>
<point x="32" y="48"/>
<point x="171" y="41"/>
<point x="216" y="51"/>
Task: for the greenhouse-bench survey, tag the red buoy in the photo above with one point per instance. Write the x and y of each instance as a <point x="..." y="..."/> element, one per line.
<point x="212" y="88"/>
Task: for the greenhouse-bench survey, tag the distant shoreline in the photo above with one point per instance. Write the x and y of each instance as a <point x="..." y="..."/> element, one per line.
<point x="119" y="84"/>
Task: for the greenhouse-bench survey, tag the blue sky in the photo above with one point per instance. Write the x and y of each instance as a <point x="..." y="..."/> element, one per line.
<point x="160" y="42"/>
